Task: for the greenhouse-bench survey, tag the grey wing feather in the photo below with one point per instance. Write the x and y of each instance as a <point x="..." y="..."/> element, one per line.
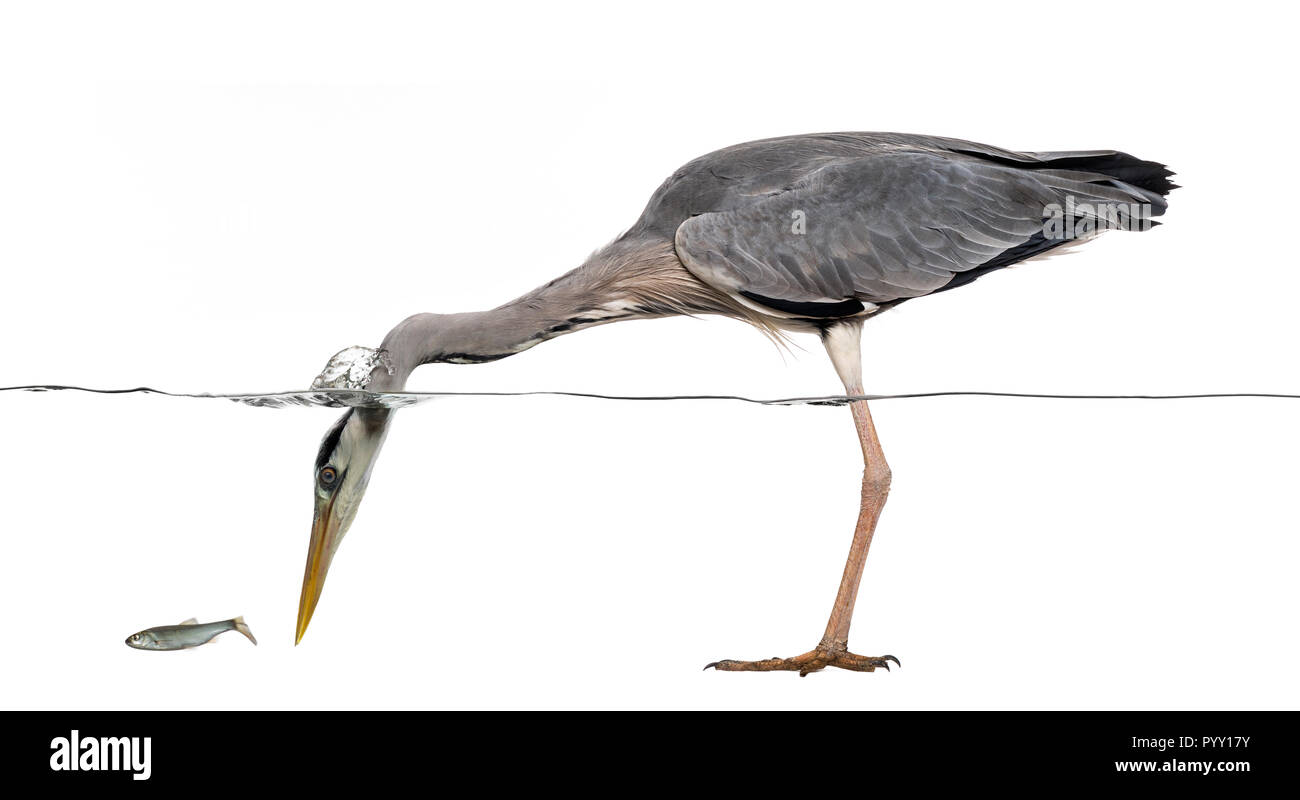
<point x="880" y="227"/>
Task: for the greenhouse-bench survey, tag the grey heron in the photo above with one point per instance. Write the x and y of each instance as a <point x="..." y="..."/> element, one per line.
<point x="803" y="234"/>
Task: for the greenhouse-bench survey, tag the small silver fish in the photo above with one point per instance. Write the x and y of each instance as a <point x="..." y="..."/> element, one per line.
<point x="185" y="635"/>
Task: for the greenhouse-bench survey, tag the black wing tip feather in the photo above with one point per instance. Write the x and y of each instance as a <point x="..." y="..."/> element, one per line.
<point x="1149" y="175"/>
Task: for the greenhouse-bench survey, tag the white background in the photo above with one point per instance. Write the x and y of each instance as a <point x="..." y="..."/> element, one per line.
<point x="218" y="197"/>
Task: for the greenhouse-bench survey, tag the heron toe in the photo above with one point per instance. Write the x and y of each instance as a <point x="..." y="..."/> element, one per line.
<point x="812" y="661"/>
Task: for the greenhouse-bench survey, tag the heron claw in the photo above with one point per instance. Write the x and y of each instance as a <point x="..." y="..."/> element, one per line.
<point x="835" y="655"/>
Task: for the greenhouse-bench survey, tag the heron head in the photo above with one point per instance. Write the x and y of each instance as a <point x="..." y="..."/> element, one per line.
<point x="342" y="472"/>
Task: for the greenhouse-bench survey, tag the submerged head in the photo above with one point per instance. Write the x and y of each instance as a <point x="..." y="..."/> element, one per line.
<point x="144" y="640"/>
<point x="342" y="471"/>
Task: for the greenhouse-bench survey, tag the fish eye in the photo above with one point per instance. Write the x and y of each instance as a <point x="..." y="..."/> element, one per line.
<point x="328" y="475"/>
<point x="135" y="637"/>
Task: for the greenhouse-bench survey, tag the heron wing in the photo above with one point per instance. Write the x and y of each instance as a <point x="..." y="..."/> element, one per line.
<point x="883" y="227"/>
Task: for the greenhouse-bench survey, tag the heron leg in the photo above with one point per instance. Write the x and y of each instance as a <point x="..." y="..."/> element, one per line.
<point x="833" y="649"/>
<point x="876" y="477"/>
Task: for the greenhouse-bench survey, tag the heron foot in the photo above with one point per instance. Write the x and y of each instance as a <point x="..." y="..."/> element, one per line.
<point x="834" y="655"/>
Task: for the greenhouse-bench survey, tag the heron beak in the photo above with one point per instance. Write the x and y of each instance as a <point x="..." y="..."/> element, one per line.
<point x="320" y="551"/>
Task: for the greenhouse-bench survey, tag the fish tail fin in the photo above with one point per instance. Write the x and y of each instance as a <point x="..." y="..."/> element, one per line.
<point x="242" y="627"/>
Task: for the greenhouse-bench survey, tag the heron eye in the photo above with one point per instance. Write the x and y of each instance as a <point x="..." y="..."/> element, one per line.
<point x="328" y="476"/>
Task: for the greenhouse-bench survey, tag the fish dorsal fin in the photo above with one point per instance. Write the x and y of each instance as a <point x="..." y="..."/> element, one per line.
<point x="191" y="621"/>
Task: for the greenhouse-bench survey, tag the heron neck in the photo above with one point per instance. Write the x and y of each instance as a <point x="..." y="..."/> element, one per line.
<point x="476" y="337"/>
<point x="596" y="293"/>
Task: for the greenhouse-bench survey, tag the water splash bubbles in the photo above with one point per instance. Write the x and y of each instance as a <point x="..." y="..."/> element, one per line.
<point x="351" y="368"/>
<point x="360" y="398"/>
